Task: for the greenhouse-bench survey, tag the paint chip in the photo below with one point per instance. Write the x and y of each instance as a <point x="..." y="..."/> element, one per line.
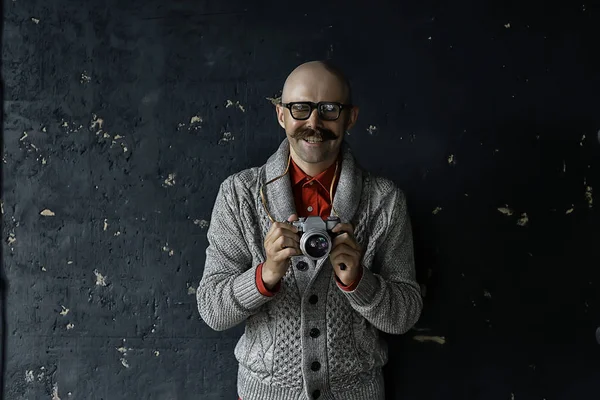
<point x="588" y="196"/>
<point x="55" y="392"/>
<point x="85" y="78"/>
<point x="203" y="224"/>
<point x="487" y="294"/>
<point x="195" y="122"/>
<point x="44" y="129"/>
<point x="69" y="262"/>
<point x="64" y="311"/>
<point x="170" y="181"/>
<point x="122" y="349"/>
<point x="95" y="123"/>
<point x="426" y="338"/>
<point x="227" y="137"/>
<point x="191" y="290"/>
<point x="70" y="326"/>
<point x="35" y="20"/>
<point x="524" y="220"/>
<point x="274" y="100"/>
<point x="372" y="129"/>
<point x="105" y="224"/>
<point x="507" y="25"/>
<point x="157" y="353"/>
<point x="451" y="160"/>
<point x="124" y="363"/>
<point x="44" y="269"/>
<point x="236" y="104"/>
<point x="23" y="137"/>
<point x="505" y="210"/>
<point x="100" y="280"/>
<point x="47" y="213"/>
<point x="581" y="141"/>
<point x="436" y="210"/>
<point x="570" y="210"/>
<point x="29" y="376"/>
<point x="117" y="233"/>
<point x="11" y="238"/>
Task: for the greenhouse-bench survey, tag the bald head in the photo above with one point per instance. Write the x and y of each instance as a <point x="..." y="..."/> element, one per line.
<point x="319" y="80"/>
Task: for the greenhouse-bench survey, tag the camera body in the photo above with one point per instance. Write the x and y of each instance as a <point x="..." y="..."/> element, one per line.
<point x="316" y="235"/>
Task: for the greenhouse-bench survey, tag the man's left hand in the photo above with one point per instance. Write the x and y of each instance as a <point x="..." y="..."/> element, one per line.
<point x="345" y="250"/>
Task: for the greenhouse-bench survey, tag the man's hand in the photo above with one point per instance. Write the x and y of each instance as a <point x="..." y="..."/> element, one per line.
<point x="345" y="254"/>
<point x="281" y="243"/>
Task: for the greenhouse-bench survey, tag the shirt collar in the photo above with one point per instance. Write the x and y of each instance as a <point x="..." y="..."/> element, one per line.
<point x="324" y="178"/>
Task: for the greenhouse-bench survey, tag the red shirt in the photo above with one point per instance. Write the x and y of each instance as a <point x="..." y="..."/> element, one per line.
<point x="311" y="196"/>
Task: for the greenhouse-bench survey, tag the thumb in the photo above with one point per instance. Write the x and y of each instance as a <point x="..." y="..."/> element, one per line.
<point x="292" y="218"/>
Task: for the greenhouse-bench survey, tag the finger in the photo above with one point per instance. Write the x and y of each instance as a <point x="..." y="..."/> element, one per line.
<point x="343" y="227"/>
<point x="286" y="242"/>
<point x="344" y="250"/>
<point x="345" y="239"/>
<point x="347" y="260"/>
<point x="292" y="218"/>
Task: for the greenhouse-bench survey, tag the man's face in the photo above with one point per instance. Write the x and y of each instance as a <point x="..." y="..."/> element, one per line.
<point x="315" y="140"/>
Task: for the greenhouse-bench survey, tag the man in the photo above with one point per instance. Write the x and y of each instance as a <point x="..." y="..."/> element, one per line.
<point x="311" y="324"/>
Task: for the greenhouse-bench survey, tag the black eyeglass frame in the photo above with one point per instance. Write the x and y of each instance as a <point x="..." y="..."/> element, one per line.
<point x="316" y="106"/>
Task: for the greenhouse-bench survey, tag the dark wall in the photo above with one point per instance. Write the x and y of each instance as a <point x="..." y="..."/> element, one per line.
<point x="121" y="118"/>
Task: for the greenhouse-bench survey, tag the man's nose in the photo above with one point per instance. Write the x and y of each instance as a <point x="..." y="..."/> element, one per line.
<point x="314" y="120"/>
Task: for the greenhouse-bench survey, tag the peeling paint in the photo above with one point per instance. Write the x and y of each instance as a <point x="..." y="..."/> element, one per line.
<point x="35" y="20"/>
<point x="588" y="196"/>
<point x="570" y="210"/>
<point x="436" y="210"/>
<point x="55" y="392"/>
<point x="426" y="338"/>
<point x="117" y="233"/>
<point x="23" y="137"/>
<point x="505" y="210"/>
<point x="195" y="122"/>
<point x="69" y="262"/>
<point x="203" y="224"/>
<point x="524" y="220"/>
<point x="85" y="78"/>
<point x="507" y="25"/>
<point x="64" y="311"/>
<point x="124" y="363"/>
<point x="100" y="280"/>
<point x="29" y="376"/>
<point x="274" y="100"/>
<point x="47" y="213"/>
<point x="105" y="224"/>
<point x="372" y="129"/>
<point x="227" y="137"/>
<point x="70" y="326"/>
<point x="451" y="160"/>
<point x="44" y="269"/>
<point x="170" y="180"/>
<point x="157" y="353"/>
<point x="236" y="104"/>
<point x="95" y="123"/>
<point x="487" y="294"/>
<point x="191" y="290"/>
<point x="581" y="141"/>
<point x="167" y="249"/>
<point x="11" y="238"/>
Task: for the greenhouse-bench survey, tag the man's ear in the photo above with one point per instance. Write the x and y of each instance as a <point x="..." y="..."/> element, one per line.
<point x="353" y="117"/>
<point x="280" y="115"/>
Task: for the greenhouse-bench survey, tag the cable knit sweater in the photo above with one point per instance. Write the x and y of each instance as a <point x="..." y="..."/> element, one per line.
<point x="312" y="340"/>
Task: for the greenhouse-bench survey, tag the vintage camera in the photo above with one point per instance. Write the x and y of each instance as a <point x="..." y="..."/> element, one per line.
<point x="316" y="235"/>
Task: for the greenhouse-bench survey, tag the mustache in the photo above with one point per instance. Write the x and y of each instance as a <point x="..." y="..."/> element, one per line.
<point x="324" y="134"/>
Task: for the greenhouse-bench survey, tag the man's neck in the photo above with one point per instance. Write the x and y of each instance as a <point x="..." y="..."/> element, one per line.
<point x="312" y="169"/>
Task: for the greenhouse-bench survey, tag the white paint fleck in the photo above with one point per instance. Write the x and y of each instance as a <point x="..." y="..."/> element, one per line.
<point x="55" y="392"/>
<point x="506" y="210"/>
<point x="582" y="139"/>
<point x="196" y="119"/>
<point x="564" y="166"/>
<point x="23" y="137"/>
<point x="487" y="294"/>
<point x="157" y="353"/>
<point x="100" y="279"/>
<point x="451" y="159"/>
<point x="2" y="207"/>
<point x="95" y="123"/>
<point x="11" y="238"/>
<point x="507" y="25"/>
<point x="122" y="349"/>
<point x="85" y="78"/>
<point x="44" y="129"/>
<point x="35" y="20"/>
<point x="429" y="38"/>
<point x="105" y="224"/>
<point x="191" y="290"/>
<point x="236" y="104"/>
<point x="371" y="129"/>
<point x="106" y="135"/>
<point x="124" y="362"/>
<point x="203" y="224"/>
<point x="436" y="210"/>
<point x="29" y="376"/>
<point x="570" y="210"/>
<point x="117" y="233"/>
<point x="588" y="196"/>
<point x="524" y="220"/>
<point x="44" y="161"/>
<point x="44" y="269"/>
<point x="227" y="137"/>
<point x="170" y="181"/>
<point x="64" y="311"/>
<point x="426" y="338"/>
<point x="70" y="326"/>
<point x="117" y="137"/>
<point x="69" y="262"/>
<point x="274" y="100"/>
<point x="47" y="213"/>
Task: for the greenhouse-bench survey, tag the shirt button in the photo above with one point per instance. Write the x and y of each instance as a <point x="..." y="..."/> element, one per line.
<point x="302" y="265"/>
<point x="311" y="183"/>
<point x="313" y="299"/>
<point x="315" y="366"/>
<point x="309" y="208"/>
<point x="314" y="333"/>
<point x="316" y="394"/>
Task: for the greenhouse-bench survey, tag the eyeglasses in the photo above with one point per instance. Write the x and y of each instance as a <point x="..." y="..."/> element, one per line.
<point x="328" y="111"/>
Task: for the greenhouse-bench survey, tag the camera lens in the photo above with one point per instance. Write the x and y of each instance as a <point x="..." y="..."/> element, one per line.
<point x="317" y="246"/>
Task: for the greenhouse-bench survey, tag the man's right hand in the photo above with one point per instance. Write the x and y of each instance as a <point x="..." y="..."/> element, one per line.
<point x="281" y="243"/>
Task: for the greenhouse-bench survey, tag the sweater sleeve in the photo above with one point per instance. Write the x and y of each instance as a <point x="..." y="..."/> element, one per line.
<point x="227" y="293"/>
<point x="391" y="299"/>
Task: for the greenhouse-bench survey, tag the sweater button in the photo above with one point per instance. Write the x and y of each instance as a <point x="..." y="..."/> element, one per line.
<point x="313" y="299"/>
<point x="315" y="366"/>
<point x="316" y="394"/>
<point x="314" y="333"/>
<point x="302" y="265"/>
